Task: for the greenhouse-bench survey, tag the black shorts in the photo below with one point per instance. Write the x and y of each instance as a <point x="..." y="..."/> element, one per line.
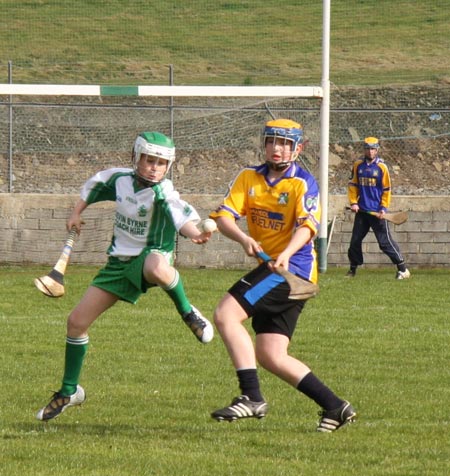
<point x="264" y="297"/>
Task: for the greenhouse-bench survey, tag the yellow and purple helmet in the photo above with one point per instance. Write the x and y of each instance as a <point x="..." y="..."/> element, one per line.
<point x="286" y="129"/>
<point x="371" y="143"/>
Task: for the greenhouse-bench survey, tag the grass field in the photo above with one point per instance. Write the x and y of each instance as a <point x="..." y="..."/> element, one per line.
<point x="373" y="42"/>
<point x="381" y="343"/>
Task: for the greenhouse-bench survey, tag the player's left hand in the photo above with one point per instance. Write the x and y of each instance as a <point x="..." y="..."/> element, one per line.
<point x="282" y="261"/>
<point x="202" y="238"/>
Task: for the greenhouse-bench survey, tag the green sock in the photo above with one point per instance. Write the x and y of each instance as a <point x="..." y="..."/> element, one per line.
<point x="76" y="349"/>
<point x="175" y="290"/>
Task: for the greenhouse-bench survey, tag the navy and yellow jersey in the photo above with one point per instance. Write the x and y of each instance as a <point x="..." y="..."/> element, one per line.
<point x="370" y="185"/>
<point x="274" y="211"/>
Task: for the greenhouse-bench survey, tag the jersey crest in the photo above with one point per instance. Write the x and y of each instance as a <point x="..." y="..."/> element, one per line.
<point x="283" y="198"/>
<point x="142" y="211"/>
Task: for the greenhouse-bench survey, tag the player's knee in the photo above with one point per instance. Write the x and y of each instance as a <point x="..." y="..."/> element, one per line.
<point x="158" y="271"/>
<point x="266" y="359"/>
<point x="219" y="319"/>
<point x="76" y="326"/>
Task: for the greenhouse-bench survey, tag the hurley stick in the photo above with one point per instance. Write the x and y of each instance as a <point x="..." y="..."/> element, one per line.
<point x="52" y="284"/>
<point x="301" y="289"/>
<point x="397" y="218"/>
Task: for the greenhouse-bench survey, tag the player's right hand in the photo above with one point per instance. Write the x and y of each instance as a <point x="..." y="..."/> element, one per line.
<point x="74" y="221"/>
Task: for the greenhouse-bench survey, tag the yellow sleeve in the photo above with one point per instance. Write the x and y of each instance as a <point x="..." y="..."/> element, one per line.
<point x="234" y="202"/>
<point x="353" y="185"/>
<point x="309" y="212"/>
<point x="386" y="182"/>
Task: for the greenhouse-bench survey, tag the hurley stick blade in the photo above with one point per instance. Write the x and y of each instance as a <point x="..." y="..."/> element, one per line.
<point x="52" y="284"/>
<point x="301" y="289"/>
<point x="396" y="218"/>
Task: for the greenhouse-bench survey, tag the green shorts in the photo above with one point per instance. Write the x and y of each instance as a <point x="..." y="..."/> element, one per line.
<point x="124" y="278"/>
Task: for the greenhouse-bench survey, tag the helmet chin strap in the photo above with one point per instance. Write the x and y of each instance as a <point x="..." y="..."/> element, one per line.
<point x="278" y="167"/>
<point x="144" y="182"/>
<point x="281" y="165"/>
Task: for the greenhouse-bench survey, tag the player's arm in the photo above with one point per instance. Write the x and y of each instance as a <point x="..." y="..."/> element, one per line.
<point x="233" y="207"/>
<point x="75" y="217"/>
<point x="308" y="212"/>
<point x="386" y="189"/>
<point x="228" y="227"/>
<point x="185" y="217"/>
<point x="102" y="186"/>
<point x="300" y="238"/>
<point x="353" y="188"/>
<point x="99" y="187"/>
<point x="190" y="230"/>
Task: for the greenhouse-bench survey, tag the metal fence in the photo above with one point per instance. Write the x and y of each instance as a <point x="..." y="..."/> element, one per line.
<point x="52" y="144"/>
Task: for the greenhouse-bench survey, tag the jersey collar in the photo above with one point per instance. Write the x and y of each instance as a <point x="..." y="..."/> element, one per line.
<point x="289" y="173"/>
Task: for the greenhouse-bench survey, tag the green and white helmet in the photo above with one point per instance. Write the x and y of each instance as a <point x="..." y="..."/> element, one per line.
<point x="155" y="144"/>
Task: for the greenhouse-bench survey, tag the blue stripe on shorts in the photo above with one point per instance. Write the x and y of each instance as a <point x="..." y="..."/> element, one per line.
<point x="258" y="291"/>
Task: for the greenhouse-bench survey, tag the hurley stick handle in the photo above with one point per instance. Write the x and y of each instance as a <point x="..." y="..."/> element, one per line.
<point x="63" y="260"/>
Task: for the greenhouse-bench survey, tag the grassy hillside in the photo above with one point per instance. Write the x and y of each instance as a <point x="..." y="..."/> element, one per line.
<point x="224" y="42"/>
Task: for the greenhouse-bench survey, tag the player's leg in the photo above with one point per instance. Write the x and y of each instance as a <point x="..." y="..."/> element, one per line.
<point x="158" y="270"/>
<point x="390" y="247"/>
<point x="274" y="321"/>
<point x="361" y="227"/>
<point x="94" y="302"/>
<point x="234" y="308"/>
<point x="272" y="354"/>
<point x="229" y="317"/>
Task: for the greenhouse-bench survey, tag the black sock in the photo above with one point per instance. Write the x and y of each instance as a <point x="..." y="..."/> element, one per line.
<point x="249" y="384"/>
<point x="401" y="266"/>
<point x="313" y="388"/>
<point x="353" y="268"/>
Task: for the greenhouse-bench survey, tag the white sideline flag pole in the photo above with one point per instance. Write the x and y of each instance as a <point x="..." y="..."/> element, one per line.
<point x="324" y="137"/>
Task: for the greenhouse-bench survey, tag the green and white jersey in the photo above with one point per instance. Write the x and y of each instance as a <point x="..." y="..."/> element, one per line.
<point x="145" y="217"/>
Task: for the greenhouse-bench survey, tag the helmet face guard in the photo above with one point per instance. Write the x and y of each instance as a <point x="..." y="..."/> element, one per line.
<point x="155" y="144"/>
<point x="287" y="130"/>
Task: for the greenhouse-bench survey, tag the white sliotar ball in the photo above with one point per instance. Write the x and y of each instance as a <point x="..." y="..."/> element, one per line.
<point x="209" y="225"/>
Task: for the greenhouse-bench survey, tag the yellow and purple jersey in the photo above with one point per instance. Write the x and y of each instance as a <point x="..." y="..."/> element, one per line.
<point x="274" y="211"/>
<point x="370" y="185"/>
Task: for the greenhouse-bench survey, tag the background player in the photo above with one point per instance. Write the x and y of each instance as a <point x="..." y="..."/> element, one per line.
<point x="369" y="190"/>
<point x="281" y="203"/>
<point x="149" y="213"/>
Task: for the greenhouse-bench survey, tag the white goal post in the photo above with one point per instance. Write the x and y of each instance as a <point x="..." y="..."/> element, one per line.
<point x="163" y="91"/>
<point x="317" y="92"/>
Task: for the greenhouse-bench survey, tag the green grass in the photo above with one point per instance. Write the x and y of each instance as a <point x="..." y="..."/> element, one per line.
<point x="373" y="42"/>
<point x="381" y="343"/>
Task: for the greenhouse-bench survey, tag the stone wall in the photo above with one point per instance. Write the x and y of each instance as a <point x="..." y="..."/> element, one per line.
<point x="424" y="239"/>
<point x="33" y="231"/>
